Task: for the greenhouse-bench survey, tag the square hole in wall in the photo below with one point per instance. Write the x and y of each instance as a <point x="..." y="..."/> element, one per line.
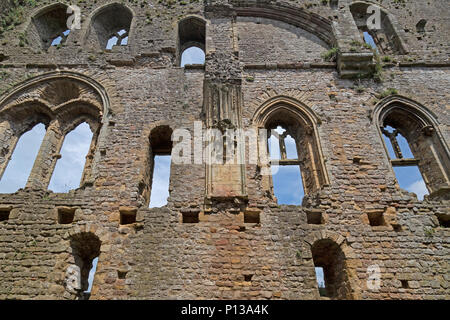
<point x="121" y="274"/>
<point x="127" y="216"/>
<point x="66" y="215"/>
<point x="314" y="217"/>
<point x="444" y="220"/>
<point x="405" y="284"/>
<point x="251" y="217"/>
<point x="4" y="214"/>
<point x="248" y="277"/>
<point x="190" y="217"/>
<point x="376" y="219"/>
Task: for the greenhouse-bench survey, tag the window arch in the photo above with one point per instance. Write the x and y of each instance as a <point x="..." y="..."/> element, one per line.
<point x="61" y="104"/>
<point x="386" y="38"/>
<point x="155" y="184"/>
<point x="300" y="123"/>
<point x="191" y="41"/>
<point x="328" y="256"/>
<point x="110" y="26"/>
<point x="85" y="249"/>
<point x="398" y="117"/>
<point x="49" y="26"/>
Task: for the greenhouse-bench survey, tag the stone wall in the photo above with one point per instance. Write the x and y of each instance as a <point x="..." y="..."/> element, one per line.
<point x="242" y="247"/>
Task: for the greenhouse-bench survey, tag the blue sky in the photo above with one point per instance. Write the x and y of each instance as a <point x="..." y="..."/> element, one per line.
<point x="192" y="55"/>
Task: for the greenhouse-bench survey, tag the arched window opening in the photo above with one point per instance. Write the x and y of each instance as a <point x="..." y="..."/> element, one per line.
<point x="111" y="26"/>
<point x="384" y="37"/>
<point x="85" y="250"/>
<point x="50" y="26"/>
<point x="22" y="160"/>
<point x="293" y="151"/>
<point x="192" y="55"/>
<point x="328" y="256"/>
<point x="159" y="168"/>
<point x="191" y="41"/>
<point x="285" y="167"/>
<point x="417" y="154"/>
<point x="69" y="168"/>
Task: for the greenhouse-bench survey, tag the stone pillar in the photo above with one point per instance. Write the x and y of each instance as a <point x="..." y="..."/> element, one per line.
<point x="46" y="159"/>
<point x="223" y="104"/>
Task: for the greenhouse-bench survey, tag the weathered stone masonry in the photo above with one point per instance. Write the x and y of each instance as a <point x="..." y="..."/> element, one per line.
<point x="222" y="234"/>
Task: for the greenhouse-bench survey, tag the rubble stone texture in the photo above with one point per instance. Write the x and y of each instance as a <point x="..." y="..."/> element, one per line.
<point x="222" y="234"/>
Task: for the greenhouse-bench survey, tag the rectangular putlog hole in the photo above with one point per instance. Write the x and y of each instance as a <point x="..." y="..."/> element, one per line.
<point x="66" y="215"/>
<point x="4" y="213"/>
<point x="444" y="220"/>
<point x="127" y="215"/>
<point x="376" y="218"/>
<point x="314" y="217"/>
<point x="251" y="217"/>
<point x="190" y="217"/>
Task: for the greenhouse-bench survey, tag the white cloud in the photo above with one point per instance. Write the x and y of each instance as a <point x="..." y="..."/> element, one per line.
<point x="419" y="188"/>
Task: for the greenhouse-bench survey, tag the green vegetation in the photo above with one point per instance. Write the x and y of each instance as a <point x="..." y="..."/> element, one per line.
<point x="331" y="54"/>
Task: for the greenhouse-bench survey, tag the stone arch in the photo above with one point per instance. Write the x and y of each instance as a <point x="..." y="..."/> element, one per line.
<point x="390" y="31"/>
<point x="36" y="100"/>
<point x="85" y="242"/>
<point x="303" y="123"/>
<point x="163" y="130"/>
<point x="421" y="129"/>
<point x="191" y="32"/>
<point x="299" y="17"/>
<point x="47" y="23"/>
<point x="329" y="250"/>
<point x="106" y="21"/>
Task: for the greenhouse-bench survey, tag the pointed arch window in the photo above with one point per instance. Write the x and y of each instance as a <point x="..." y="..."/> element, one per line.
<point x="191" y="41"/>
<point x="414" y="145"/>
<point x="49" y="26"/>
<point x="111" y="26"/>
<point x="385" y="38"/>
<point x="291" y="147"/>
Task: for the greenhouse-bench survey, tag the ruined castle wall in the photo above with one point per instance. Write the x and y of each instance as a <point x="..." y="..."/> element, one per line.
<point x="222" y="256"/>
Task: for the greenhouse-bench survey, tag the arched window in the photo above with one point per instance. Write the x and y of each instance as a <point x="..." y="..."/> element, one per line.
<point x="331" y="270"/>
<point x="85" y="252"/>
<point x="384" y="37"/>
<point x="191" y="41"/>
<point x="414" y="145"/>
<point x="60" y="104"/>
<point x="19" y="167"/>
<point x="156" y="190"/>
<point x="70" y="166"/>
<point x="293" y="149"/>
<point x="110" y="26"/>
<point x="49" y="26"/>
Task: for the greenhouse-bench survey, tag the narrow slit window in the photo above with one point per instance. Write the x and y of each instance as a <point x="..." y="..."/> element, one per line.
<point x="160" y="183"/>
<point x="91" y="276"/>
<point x="368" y="39"/>
<point x="321" y="281"/>
<point x="22" y="160"/>
<point x="69" y="168"/>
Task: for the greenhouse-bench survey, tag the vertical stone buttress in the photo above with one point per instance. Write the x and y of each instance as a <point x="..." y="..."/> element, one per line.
<point x="223" y="105"/>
